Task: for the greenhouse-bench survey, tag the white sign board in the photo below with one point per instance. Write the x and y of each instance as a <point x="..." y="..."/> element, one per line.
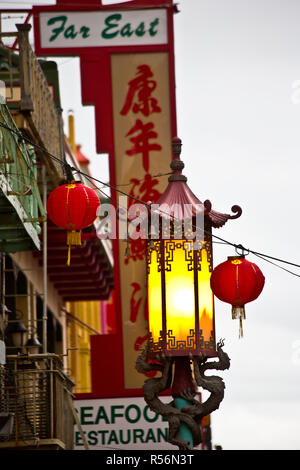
<point x="121" y="423"/>
<point x="103" y="28"/>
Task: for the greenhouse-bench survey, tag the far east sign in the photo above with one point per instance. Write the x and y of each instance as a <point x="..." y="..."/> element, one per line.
<point x="98" y="28"/>
<point x="128" y="74"/>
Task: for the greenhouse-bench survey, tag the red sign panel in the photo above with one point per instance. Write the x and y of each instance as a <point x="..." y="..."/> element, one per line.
<point x="127" y="72"/>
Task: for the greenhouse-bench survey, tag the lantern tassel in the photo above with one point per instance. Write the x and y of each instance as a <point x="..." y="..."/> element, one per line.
<point x="73" y="238"/>
<point x="241" y="328"/>
<point x="69" y="256"/>
<point x="238" y="312"/>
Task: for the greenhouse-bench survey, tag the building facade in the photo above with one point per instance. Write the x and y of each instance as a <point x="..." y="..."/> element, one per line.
<point x="42" y="318"/>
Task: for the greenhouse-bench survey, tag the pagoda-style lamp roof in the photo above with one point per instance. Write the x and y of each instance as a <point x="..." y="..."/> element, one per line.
<point x="179" y="196"/>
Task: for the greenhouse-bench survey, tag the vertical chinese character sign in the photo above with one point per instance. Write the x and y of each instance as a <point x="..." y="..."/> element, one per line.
<point x="142" y="149"/>
<point x="127" y="72"/>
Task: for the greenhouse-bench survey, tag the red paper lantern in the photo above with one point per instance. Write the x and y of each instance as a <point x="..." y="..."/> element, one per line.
<point x="73" y="206"/>
<point x="237" y="282"/>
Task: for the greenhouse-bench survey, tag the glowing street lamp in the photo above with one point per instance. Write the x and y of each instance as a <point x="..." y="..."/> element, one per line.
<point x="180" y="303"/>
<point x="180" y="300"/>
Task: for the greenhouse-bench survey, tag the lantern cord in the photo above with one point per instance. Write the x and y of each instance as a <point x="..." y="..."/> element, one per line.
<point x="91" y="178"/>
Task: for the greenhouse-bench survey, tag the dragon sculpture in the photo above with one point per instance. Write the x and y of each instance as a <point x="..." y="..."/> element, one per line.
<point x="190" y="415"/>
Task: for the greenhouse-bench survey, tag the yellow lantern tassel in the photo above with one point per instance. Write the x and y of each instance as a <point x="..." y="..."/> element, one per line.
<point x="73" y="238"/>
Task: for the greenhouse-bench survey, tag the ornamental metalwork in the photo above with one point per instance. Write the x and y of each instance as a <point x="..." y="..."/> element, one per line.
<point x="168" y="342"/>
<point x="192" y="414"/>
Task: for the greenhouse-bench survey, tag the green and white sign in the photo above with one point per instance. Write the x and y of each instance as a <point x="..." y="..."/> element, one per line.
<point x="121" y="423"/>
<point x="103" y="28"/>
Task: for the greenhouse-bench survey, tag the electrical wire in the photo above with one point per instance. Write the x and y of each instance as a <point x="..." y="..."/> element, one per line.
<point x="93" y="179"/>
<point x="159" y="175"/>
<point x="277" y="265"/>
<point x="259" y="255"/>
<point x="142" y="179"/>
<point x="222" y="241"/>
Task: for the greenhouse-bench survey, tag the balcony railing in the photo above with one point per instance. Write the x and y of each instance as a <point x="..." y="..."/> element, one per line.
<point x="21" y="207"/>
<point x="28" y="92"/>
<point x="36" y="396"/>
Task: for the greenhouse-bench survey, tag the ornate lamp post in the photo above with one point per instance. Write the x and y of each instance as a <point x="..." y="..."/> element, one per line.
<point x="181" y="307"/>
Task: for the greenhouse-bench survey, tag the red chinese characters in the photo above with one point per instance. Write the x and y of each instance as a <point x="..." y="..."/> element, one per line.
<point x="139" y="100"/>
<point x="144" y="189"/>
<point x="142" y="139"/>
<point x="142" y="136"/>
<point x="139" y="97"/>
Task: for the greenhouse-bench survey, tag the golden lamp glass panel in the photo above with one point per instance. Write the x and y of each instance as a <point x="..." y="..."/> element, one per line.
<point x="180" y="296"/>
<point x="205" y="295"/>
<point x="154" y="296"/>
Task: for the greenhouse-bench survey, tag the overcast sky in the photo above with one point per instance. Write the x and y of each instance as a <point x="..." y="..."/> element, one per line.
<point x="238" y="110"/>
<point x="237" y="63"/>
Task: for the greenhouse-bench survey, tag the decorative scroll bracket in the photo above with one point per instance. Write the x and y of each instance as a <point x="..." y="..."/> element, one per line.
<point x="190" y="415"/>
